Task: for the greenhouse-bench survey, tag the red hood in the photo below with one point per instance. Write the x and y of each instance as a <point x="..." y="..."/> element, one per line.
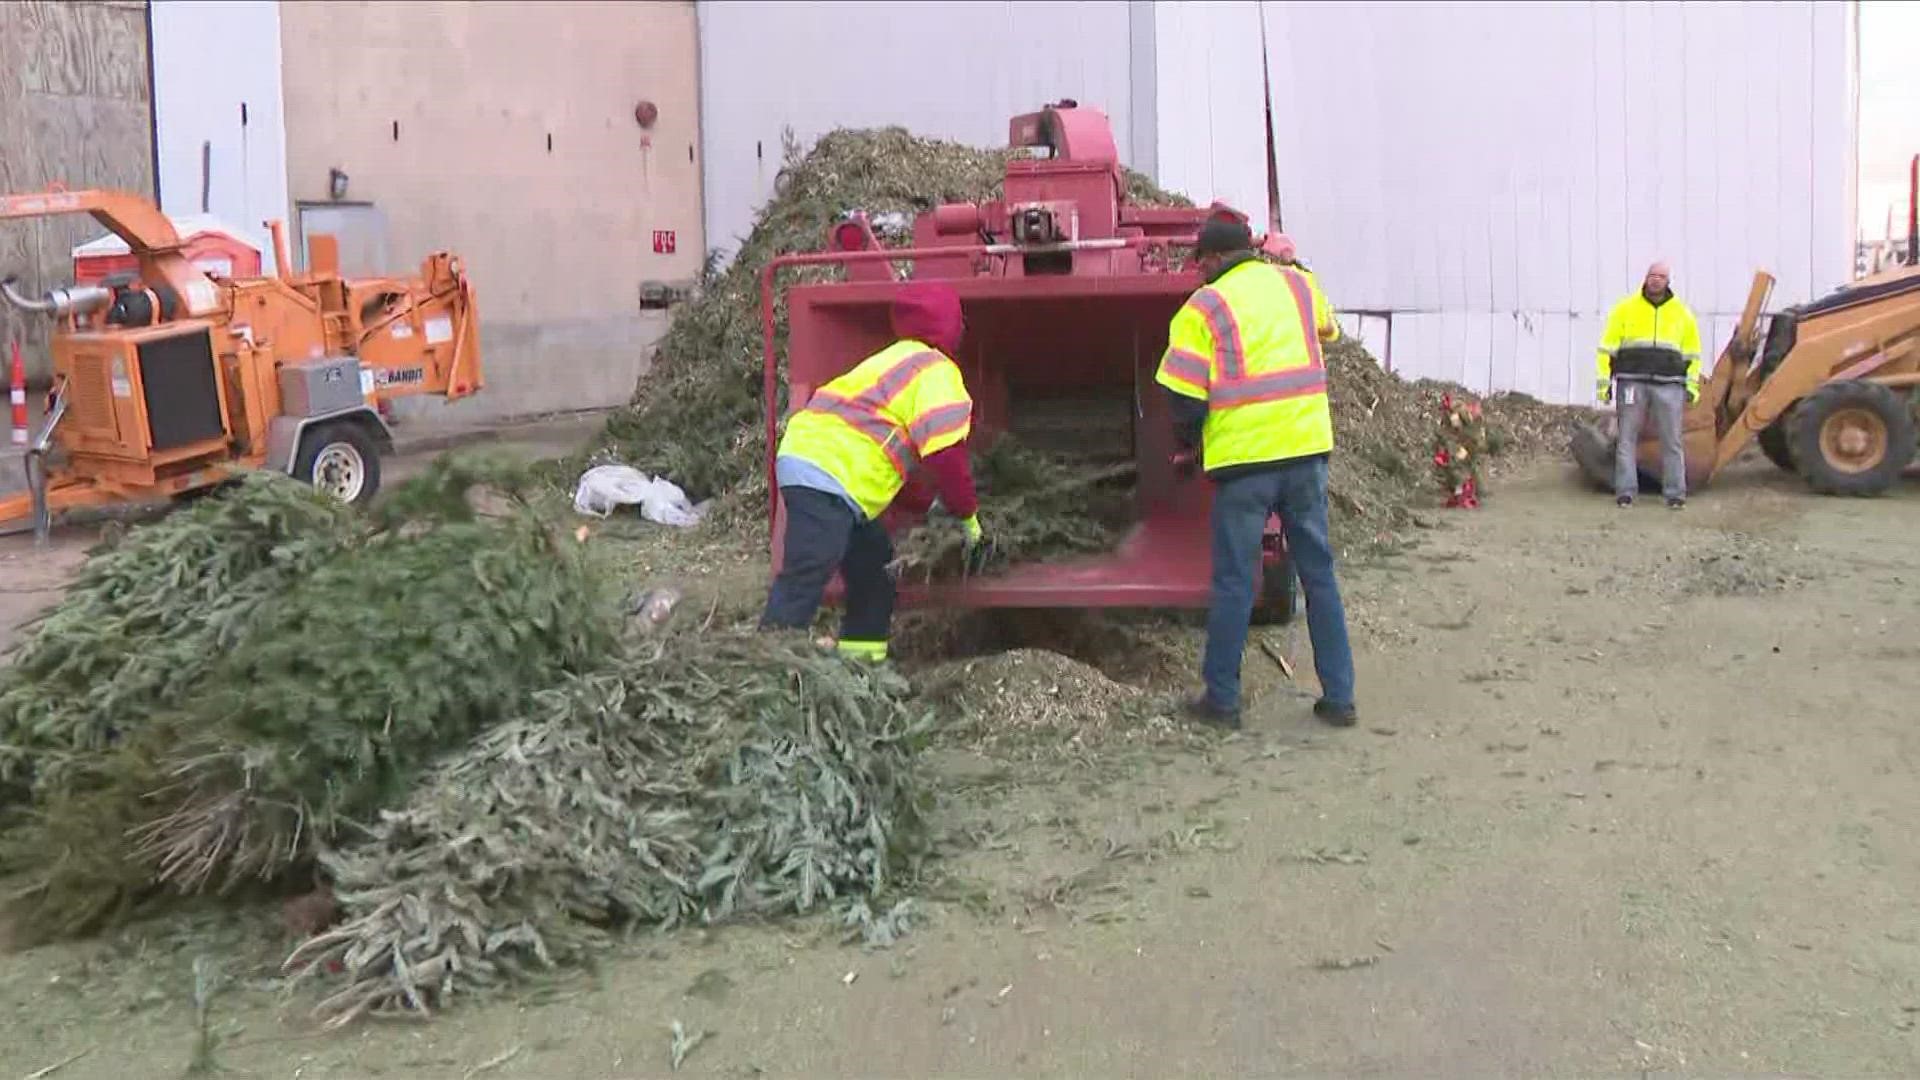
<point x="929" y="312"/>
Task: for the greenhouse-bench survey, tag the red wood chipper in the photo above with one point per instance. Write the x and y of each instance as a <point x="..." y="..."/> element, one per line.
<point x="1067" y="292"/>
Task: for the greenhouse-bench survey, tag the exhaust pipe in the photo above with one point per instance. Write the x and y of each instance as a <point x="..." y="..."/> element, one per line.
<point x="62" y="301"/>
<point x="36" y="463"/>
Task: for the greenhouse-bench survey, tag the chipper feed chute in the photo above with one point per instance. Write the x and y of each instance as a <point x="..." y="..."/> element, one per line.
<point x="1067" y="293"/>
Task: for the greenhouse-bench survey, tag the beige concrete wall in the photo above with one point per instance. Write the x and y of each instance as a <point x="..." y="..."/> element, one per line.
<point x="74" y="110"/>
<point x="556" y="235"/>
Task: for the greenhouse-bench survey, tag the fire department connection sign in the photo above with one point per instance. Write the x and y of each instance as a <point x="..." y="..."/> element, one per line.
<point x="663" y="242"/>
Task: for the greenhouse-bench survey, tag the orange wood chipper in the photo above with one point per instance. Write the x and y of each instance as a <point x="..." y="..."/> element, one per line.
<point x="167" y="381"/>
<point x="1067" y="292"/>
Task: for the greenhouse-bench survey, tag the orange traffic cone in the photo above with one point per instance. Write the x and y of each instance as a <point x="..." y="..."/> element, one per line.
<point x="19" y="395"/>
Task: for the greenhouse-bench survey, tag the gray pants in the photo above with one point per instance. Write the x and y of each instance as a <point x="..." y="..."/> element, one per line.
<point x="1633" y="399"/>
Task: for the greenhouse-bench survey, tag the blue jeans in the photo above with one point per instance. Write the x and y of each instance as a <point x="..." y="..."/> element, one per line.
<point x="1297" y="491"/>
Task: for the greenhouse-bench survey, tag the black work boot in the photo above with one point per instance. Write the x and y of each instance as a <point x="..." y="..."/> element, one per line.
<point x="1206" y="712"/>
<point x="1675" y="502"/>
<point x="1336" y="715"/>
<point x="1623" y="501"/>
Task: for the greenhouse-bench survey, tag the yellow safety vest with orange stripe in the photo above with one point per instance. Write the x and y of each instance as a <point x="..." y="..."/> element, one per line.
<point x="1246" y="345"/>
<point x="867" y="427"/>
<point x="1324" y="321"/>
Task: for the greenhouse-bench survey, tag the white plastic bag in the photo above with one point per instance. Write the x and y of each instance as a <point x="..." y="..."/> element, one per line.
<point x="605" y="488"/>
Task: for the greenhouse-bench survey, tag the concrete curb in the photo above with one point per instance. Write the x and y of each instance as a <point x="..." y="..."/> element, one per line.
<point x="439" y="438"/>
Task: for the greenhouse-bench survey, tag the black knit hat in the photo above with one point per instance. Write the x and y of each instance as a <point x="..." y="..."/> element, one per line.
<point x="1223" y="237"/>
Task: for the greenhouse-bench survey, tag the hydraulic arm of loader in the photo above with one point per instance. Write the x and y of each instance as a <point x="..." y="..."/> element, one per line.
<point x="1730" y="390"/>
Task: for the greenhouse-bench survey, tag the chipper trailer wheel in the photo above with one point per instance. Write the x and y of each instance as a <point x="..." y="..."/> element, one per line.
<point x="1279" y="596"/>
<point x="1279" y="593"/>
<point x="1851" y="438"/>
<point x="341" y="460"/>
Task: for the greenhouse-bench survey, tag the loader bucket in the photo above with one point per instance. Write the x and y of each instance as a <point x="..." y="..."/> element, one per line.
<point x="1594" y="444"/>
<point x="1066" y="364"/>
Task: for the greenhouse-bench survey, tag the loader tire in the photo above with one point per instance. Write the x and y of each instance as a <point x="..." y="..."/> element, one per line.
<point x="1851" y="438"/>
<point x="1777" y="445"/>
<point x="1279" y="594"/>
<point x="342" y="460"/>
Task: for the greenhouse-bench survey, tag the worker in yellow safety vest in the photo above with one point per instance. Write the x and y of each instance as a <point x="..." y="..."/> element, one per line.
<point x="1248" y="388"/>
<point x="846" y="457"/>
<point x="1281" y="247"/>
<point x="1649" y="361"/>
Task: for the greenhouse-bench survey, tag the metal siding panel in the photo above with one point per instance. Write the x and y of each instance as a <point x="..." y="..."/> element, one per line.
<point x="1407" y="277"/>
<point x="1409" y="344"/>
<point x="1730" y="263"/>
<point x="1399" y="342"/>
<point x="1646" y="130"/>
<point x="1831" y="235"/>
<point x="1550" y="370"/>
<point x="210" y="60"/>
<point x="1583" y="339"/>
<point x="1585" y="253"/>
<point x="1501" y="141"/>
<point x="1667" y="128"/>
<point x="1364" y="125"/>
<point x="1420" y="197"/>
<point x="1763" y="140"/>
<point x="1794" y="220"/>
<point x="1476" y="356"/>
<point x="1611" y="148"/>
<point x="1289" y="146"/>
<point x="1645" y="107"/>
<point x="1503" y="352"/>
<point x="1419" y="357"/>
<point x="1701" y="156"/>
<point x="1238" y="119"/>
<point x="760" y="74"/>
<point x="1185" y="96"/>
<point x="1527" y="348"/>
<point x="1373" y="334"/>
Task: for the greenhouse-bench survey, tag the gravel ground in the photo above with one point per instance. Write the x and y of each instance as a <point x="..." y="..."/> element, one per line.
<point x="1631" y="794"/>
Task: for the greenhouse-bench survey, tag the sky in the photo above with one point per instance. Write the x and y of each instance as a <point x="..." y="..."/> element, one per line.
<point x="1889" y="110"/>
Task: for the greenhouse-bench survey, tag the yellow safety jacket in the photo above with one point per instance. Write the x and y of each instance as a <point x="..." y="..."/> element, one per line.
<point x="1644" y="341"/>
<point x="1324" y="321"/>
<point x="867" y="427"/>
<point x="1246" y="346"/>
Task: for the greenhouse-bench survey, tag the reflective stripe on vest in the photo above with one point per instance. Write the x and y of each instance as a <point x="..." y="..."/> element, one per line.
<point x="1257" y="411"/>
<point x="867" y="427"/>
<point x="862" y="411"/>
<point x="1235" y="386"/>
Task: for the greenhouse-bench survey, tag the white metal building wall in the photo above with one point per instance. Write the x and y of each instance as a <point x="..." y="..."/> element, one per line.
<point x="950" y="70"/>
<point x="1210" y="103"/>
<point x="211" y="60"/>
<point x="1484" y="180"/>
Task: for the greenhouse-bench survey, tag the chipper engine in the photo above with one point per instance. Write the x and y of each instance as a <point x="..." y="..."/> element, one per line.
<point x="168" y="381"/>
<point x="1067" y="292"/>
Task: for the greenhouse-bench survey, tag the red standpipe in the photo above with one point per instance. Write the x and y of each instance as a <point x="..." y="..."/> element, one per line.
<point x="1913" y="212"/>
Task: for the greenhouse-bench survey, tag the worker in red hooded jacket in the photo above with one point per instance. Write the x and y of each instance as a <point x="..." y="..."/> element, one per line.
<point x="849" y="454"/>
